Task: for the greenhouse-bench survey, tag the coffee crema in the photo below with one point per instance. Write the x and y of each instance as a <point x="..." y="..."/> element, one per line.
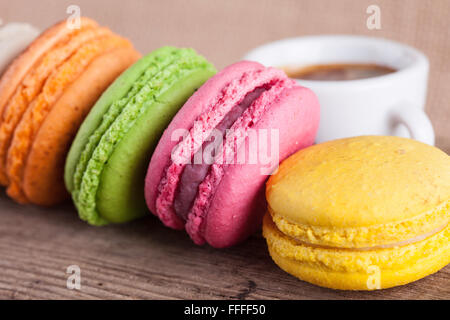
<point x="337" y="72"/>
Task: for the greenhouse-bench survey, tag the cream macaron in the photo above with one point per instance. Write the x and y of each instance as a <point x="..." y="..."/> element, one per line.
<point x="360" y="213"/>
<point x="14" y="38"/>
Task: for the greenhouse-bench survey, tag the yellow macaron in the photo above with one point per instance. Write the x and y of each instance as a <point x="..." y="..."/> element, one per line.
<point x="360" y="213"/>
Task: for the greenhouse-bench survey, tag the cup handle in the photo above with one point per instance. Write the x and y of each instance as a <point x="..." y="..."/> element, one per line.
<point x="415" y="120"/>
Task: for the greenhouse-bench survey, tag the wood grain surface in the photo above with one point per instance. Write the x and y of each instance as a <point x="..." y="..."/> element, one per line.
<point x="143" y="259"/>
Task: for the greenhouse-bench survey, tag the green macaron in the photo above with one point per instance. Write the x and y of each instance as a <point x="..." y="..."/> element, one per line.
<point x="105" y="168"/>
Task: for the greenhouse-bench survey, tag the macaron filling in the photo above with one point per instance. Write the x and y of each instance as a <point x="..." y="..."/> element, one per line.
<point x="189" y="209"/>
<point x="415" y="239"/>
<point x="193" y="174"/>
<point x="364" y="237"/>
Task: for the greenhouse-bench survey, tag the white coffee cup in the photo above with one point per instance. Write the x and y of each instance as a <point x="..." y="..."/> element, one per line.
<point x="391" y="104"/>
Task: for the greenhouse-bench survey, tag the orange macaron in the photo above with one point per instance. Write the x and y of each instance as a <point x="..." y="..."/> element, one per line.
<point x="44" y="96"/>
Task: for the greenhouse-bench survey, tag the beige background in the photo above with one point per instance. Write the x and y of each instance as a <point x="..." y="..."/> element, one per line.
<point x="225" y="30"/>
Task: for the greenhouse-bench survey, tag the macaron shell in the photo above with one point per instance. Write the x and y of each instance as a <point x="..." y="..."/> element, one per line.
<point x="43" y="175"/>
<point x="33" y="82"/>
<point x="196" y="105"/>
<point x="225" y="100"/>
<point x="125" y="118"/>
<point x="374" y="180"/>
<point x="145" y="76"/>
<point x="121" y="194"/>
<point x="362" y="281"/>
<point x="358" y="270"/>
<point x="36" y="113"/>
<point x="395" y="189"/>
<point x="20" y="66"/>
<point x="295" y="113"/>
<point x="14" y="38"/>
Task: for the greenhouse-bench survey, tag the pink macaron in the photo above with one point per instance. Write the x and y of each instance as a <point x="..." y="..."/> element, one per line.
<point x="208" y="171"/>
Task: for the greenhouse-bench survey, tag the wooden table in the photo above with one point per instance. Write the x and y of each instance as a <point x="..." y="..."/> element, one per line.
<point x="143" y="259"/>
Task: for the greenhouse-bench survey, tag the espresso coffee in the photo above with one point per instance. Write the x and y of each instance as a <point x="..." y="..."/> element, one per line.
<point x="337" y="72"/>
